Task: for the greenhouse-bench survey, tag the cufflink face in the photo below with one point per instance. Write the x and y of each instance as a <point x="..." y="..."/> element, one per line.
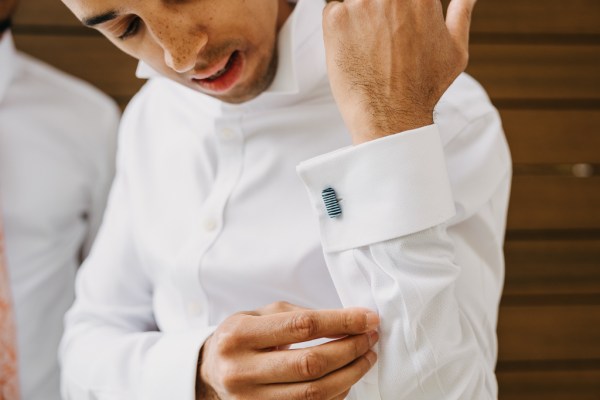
<point x="332" y="204"/>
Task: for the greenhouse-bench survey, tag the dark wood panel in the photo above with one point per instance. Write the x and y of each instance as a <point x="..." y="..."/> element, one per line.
<point x="91" y="58"/>
<point x="554" y="202"/>
<point x="553" y="136"/>
<point x="537" y="16"/>
<point x="552" y="267"/>
<point x="549" y="385"/>
<point x="491" y="16"/>
<point x="44" y="12"/>
<point x="549" y="333"/>
<point x="537" y="72"/>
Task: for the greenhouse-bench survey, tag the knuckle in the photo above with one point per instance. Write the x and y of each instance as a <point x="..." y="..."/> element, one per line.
<point x="362" y="5"/>
<point x="314" y="392"/>
<point x="304" y="325"/>
<point x="311" y="365"/>
<point x="360" y="345"/>
<point x="353" y="322"/>
<point x="230" y="337"/>
<point x="364" y="365"/>
<point x="334" y="15"/>
<point x="467" y="14"/>
<point x="231" y="377"/>
<point x="281" y="306"/>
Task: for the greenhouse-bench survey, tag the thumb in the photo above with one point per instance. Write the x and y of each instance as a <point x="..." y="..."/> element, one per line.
<point x="458" y="21"/>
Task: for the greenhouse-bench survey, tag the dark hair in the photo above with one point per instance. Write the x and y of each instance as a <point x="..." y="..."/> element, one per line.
<point x="4" y="24"/>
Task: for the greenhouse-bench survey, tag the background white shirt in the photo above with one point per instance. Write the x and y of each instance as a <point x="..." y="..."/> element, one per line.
<point x="57" y="144"/>
<point x="207" y="217"/>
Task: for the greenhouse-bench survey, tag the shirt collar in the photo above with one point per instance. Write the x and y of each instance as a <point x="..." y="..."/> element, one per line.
<point x="7" y="62"/>
<point x="304" y="22"/>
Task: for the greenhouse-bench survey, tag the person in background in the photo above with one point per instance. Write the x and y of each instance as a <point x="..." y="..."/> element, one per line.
<point x="209" y="262"/>
<point x="57" y="149"/>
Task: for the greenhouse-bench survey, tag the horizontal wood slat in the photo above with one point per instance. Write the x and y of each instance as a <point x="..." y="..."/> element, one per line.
<point x="552" y="267"/>
<point x="537" y="72"/>
<point x="553" y="136"/>
<point x="491" y="16"/>
<point x="44" y="12"/>
<point x="549" y="385"/>
<point x="554" y="202"/>
<point x="549" y="333"/>
<point x="537" y="16"/>
<point x="91" y="58"/>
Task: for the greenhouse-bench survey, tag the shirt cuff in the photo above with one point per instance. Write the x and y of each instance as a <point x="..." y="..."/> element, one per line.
<point x="171" y="366"/>
<point x="386" y="188"/>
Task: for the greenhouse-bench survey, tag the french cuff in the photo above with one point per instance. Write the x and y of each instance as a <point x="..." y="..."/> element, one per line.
<point x="171" y="366"/>
<point x="379" y="190"/>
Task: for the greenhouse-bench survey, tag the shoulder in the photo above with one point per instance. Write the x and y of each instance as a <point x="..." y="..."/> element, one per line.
<point x="51" y="88"/>
<point x="64" y="110"/>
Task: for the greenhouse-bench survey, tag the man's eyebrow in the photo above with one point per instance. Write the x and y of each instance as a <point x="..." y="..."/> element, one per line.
<point x="100" y="18"/>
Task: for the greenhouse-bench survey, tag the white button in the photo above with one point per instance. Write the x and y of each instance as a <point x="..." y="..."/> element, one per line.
<point x="209" y="224"/>
<point x="227" y="133"/>
<point x="194" y="308"/>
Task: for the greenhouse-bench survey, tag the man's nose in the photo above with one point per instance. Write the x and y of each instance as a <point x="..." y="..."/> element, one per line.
<point x="181" y="47"/>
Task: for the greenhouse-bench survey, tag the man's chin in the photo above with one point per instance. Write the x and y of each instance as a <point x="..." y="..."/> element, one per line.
<point x="243" y="92"/>
<point x="236" y="96"/>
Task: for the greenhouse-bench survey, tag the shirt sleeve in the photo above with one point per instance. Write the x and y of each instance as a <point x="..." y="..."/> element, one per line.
<point x="393" y="248"/>
<point x="112" y="348"/>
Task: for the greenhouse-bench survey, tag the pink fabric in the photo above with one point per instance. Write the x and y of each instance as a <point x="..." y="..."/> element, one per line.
<point x="9" y="382"/>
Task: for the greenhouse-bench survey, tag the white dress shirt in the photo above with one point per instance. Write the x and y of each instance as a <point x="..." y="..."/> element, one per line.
<point x="208" y="217"/>
<point x="57" y="144"/>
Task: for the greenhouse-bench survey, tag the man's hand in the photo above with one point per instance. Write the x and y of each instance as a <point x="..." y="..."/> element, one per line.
<point x="247" y="357"/>
<point x="390" y="61"/>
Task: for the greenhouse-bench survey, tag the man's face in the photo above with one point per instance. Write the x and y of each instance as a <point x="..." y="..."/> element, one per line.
<point x="224" y="48"/>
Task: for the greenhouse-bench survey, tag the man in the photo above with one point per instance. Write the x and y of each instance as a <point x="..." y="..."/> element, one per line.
<point x="57" y="144"/>
<point x="207" y="217"/>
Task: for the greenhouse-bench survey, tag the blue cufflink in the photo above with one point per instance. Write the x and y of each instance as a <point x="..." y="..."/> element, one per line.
<point x="332" y="204"/>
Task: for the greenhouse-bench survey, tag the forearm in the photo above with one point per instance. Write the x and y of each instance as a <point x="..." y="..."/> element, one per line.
<point x="389" y="250"/>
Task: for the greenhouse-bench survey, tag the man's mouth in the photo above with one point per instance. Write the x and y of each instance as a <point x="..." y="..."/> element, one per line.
<point x="224" y="70"/>
<point x="223" y="76"/>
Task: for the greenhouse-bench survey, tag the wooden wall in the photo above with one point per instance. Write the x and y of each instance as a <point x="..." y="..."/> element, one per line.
<point x="540" y="61"/>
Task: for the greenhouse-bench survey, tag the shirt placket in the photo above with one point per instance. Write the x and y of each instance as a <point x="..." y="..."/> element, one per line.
<point x="230" y="150"/>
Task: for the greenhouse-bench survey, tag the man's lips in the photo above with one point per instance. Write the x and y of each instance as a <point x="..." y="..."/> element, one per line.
<point x="212" y="71"/>
<point x="224" y="78"/>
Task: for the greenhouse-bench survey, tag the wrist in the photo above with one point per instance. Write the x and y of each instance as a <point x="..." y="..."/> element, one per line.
<point x="393" y="124"/>
<point x="203" y="390"/>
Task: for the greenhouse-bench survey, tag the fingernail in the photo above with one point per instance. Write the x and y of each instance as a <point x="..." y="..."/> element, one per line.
<point x="373" y="338"/>
<point x="371" y="357"/>
<point x="372" y="320"/>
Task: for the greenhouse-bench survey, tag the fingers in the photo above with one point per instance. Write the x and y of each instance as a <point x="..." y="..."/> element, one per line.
<point x="278" y="307"/>
<point x="243" y="357"/>
<point x="331" y="387"/>
<point x="300" y="326"/>
<point x="458" y="21"/>
<point x="314" y="362"/>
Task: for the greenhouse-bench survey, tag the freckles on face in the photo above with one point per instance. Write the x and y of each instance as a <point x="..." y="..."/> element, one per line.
<point x="186" y="41"/>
